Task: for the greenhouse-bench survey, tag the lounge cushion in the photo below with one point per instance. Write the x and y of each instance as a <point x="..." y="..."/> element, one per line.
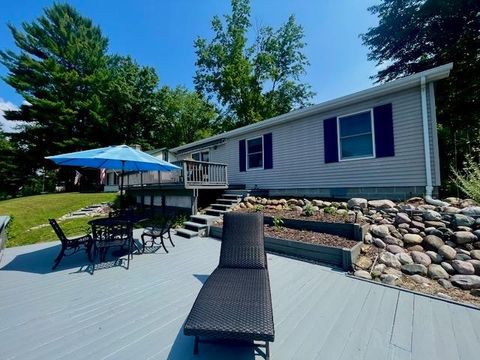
<point x="233" y="304"/>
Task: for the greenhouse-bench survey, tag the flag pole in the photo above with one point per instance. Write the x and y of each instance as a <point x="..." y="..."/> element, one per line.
<point x="121" y="186"/>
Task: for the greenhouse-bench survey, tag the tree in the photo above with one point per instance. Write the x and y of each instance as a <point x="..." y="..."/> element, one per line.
<point x="184" y="117"/>
<point x="61" y="71"/>
<point x="251" y="82"/>
<point x="414" y="35"/>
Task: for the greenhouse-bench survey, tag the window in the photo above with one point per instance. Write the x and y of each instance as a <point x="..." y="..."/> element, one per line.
<point x="255" y="153"/>
<point x="201" y="156"/>
<point x="356" y="136"/>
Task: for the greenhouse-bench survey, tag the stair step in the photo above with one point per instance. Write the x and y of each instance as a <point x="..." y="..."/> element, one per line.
<point x="187" y="233"/>
<point x="221" y="206"/>
<point x="227" y="201"/>
<point x="203" y="219"/>
<point x="190" y="225"/>
<point x="215" y="212"/>
<point x="232" y="196"/>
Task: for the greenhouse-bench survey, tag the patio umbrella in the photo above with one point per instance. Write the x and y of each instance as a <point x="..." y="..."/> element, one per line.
<point x="119" y="157"/>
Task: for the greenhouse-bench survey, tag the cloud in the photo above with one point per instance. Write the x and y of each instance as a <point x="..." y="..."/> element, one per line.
<point x="7" y="125"/>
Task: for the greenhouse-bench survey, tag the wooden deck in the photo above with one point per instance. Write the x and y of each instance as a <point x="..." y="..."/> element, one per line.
<point x="138" y="314"/>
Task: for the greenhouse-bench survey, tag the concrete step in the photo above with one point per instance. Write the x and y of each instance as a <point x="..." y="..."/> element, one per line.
<point x="221" y="206"/>
<point x="235" y="197"/>
<point x="187" y="233"/>
<point x="227" y="201"/>
<point x="203" y="219"/>
<point x="191" y="225"/>
<point x="215" y="212"/>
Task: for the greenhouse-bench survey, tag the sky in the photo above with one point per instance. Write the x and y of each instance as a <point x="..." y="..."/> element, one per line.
<point x="160" y="33"/>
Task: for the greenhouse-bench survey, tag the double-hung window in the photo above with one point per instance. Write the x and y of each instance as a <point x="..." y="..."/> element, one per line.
<point x="356" y="137"/>
<point x="255" y="153"/>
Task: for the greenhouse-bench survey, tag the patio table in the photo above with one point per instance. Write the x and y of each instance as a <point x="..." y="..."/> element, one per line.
<point x="111" y="221"/>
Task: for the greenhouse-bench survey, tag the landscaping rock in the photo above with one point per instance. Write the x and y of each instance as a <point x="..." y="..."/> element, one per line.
<point x="471" y="211"/>
<point x="389" y="279"/>
<point x="404" y="258"/>
<point x="390" y="260"/>
<point x="475" y="292"/>
<point x="433" y="242"/>
<point x="447" y="252"/>
<point x="402" y="218"/>
<point x="463" y="237"/>
<point x="380" y="268"/>
<point x="462" y="220"/>
<point x="436" y="258"/>
<point x="436" y="224"/>
<point x="432" y="215"/>
<point x="379" y="230"/>
<point x="362" y="274"/>
<point x="445" y="283"/>
<point x="437" y="272"/>
<point x="418" y="225"/>
<point x="448" y="267"/>
<point x="379" y="243"/>
<point x="443" y="296"/>
<point x="390" y="240"/>
<point x="463" y="267"/>
<point x="420" y="258"/>
<point x="462" y="257"/>
<point x="466" y="282"/>
<point x="393" y="271"/>
<point x="412" y="239"/>
<point x="357" y="203"/>
<point x="364" y="262"/>
<point x="419" y="279"/>
<point x="395" y="249"/>
<point x="368" y="238"/>
<point x="476" y="265"/>
<point x="415" y="248"/>
<point x="412" y="269"/>
<point x="381" y="204"/>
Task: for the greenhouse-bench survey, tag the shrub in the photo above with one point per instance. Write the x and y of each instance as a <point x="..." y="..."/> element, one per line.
<point x="329" y="210"/>
<point x="469" y="180"/>
<point x="258" y="208"/>
<point x="277" y="222"/>
<point x="309" y="210"/>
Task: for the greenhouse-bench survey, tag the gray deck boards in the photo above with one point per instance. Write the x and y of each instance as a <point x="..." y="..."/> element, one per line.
<point x="138" y="314"/>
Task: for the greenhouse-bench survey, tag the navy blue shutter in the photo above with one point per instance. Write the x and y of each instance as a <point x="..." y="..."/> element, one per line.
<point x="267" y="151"/>
<point x="330" y="140"/>
<point x="383" y="125"/>
<point x="242" y="155"/>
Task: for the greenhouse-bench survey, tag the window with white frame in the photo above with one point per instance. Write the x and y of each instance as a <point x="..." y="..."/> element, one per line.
<point x="255" y="153"/>
<point x="201" y="156"/>
<point x="356" y="136"/>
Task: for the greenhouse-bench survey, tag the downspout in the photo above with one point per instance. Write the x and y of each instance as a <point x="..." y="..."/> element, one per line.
<point x="426" y="147"/>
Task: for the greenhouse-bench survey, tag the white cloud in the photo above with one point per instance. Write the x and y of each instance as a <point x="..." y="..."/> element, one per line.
<point x="7" y="125"/>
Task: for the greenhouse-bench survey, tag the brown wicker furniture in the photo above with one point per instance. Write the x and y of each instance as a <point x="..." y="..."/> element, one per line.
<point x="70" y="245"/>
<point x="235" y="302"/>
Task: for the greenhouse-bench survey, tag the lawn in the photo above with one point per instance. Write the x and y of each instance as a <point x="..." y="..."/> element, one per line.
<point x="31" y="211"/>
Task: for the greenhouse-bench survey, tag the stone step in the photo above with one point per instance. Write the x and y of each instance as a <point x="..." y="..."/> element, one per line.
<point x="215" y="212"/>
<point x="203" y="219"/>
<point x="235" y="197"/>
<point x="221" y="206"/>
<point x="195" y="226"/>
<point x="187" y="233"/>
<point x="227" y="201"/>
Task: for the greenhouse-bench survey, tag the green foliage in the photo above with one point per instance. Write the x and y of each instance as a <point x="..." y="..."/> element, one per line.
<point x="414" y="35"/>
<point x="329" y="210"/>
<point x="277" y="222"/>
<point x="251" y="82"/>
<point x="308" y="210"/>
<point x="259" y="208"/>
<point x="469" y="179"/>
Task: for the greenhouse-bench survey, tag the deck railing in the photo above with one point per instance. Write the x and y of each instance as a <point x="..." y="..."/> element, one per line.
<point x="192" y="175"/>
<point x="4" y="220"/>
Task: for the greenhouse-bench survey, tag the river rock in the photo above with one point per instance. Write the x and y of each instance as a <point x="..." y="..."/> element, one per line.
<point x="447" y="252"/>
<point x="475" y="292"/>
<point x="390" y="260"/>
<point x="382" y="204"/>
<point x="412" y="269"/>
<point x="364" y="262"/>
<point x="379" y="243"/>
<point x="402" y="218"/>
<point x="463" y="237"/>
<point x="379" y="230"/>
<point x="389" y="279"/>
<point x="462" y="220"/>
<point x="436" y="224"/>
<point x="445" y="283"/>
<point x="368" y="238"/>
<point x="362" y="274"/>
<point x="466" y="282"/>
<point x="415" y="248"/>
<point x="420" y="258"/>
<point x="476" y="265"/>
<point x="354" y="203"/>
<point x="395" y="249"/>
<point x="451" y="210"/>
<point x="433" y="242"/>
<point x="393" y="271"/>
<point x="432" y="215"/>
<point x="390" y="240"/>
<point x="412" y="239"/>
<point x="448" y="267"/>
<point x="404" y="258"/>
<point x="471" y="211"/>
<point x="419" y="279"/>
<point x="462" y="257"/>
<point x="463" y="267"/>
<point x="436" y="258"/>
<point x="437" y="272"/>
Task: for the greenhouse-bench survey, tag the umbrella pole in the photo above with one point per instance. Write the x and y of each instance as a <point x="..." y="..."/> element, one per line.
<point x="121" y="187"/>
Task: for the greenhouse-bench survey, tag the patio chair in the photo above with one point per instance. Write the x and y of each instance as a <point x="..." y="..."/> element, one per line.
<point x="108" y="233"/>
<point x="158" y="232"/>
<point x="235" y="301"/>
<point x="70" y="245"/>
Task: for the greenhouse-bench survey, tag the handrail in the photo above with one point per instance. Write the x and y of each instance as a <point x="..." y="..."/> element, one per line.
<point x="4" y="220"/>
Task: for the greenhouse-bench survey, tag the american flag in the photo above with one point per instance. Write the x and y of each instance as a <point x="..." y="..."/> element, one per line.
<point x="103" y="175"/>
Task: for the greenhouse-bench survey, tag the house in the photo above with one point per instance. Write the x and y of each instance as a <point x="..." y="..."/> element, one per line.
<point x="376" y="143"/>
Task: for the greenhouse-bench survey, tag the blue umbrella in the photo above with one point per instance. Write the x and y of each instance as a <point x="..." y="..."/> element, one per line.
<point x="120" y="157"/>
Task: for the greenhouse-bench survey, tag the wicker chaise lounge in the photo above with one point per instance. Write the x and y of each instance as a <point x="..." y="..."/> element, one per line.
<point x="235" y="302"/>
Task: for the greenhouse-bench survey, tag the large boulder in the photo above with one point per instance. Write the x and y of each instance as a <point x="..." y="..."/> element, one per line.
<point x="462" y="220"/>
<point x="412" y="269"/>
<point x="355" y="203"/>
<point x="390" y="260"/>
<point x="381" y="204"/>
<point x="437" y="272"/>
<point x="464" y="237"/>
<point x="420" y="258"/>
<point x="413" y="239"/>
<point x="447" y="252"/>
<point x="463" y="267"/>
<point x="433" y="242"/>
<point x="466" y="282"/>
<point x="379" y="230"/>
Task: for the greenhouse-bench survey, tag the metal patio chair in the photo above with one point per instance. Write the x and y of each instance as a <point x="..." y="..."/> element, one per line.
<point x="151" y="233"/>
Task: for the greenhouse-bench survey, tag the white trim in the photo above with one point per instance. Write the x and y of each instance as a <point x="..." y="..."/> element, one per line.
<point x="339" y="147"/>
<point x="246" y="154"/>
<point x="407" y="82"/>
<point x="433" y="117"/>
<point x="426" y="137"/>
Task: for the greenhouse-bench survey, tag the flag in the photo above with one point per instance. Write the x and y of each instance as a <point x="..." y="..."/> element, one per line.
<point x="77" y="178"/>
<point x="103" y="175"/>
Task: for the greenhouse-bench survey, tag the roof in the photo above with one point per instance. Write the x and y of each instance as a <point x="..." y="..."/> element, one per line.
<point x="156" y="151"/>
<point x="434" y="74"/>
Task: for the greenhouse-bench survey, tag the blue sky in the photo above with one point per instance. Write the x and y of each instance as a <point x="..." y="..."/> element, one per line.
<point x="161" y="34"/>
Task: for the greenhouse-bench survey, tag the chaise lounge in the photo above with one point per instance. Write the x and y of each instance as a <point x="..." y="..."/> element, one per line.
<point x="235" y="302"/>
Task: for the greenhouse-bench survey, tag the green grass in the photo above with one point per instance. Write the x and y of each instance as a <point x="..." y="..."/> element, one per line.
<point x="31" y="211"/>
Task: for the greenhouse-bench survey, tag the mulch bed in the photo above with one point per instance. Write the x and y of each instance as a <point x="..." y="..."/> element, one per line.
<point x="318" y="216"/>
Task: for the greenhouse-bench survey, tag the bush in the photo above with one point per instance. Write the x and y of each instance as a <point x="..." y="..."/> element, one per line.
<point x="469" y="180"/>
<point x="329" y="210"/>
<point x="309" y="210"/>
<point x="277" y="222"/>
<point x="258" y="208"/>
